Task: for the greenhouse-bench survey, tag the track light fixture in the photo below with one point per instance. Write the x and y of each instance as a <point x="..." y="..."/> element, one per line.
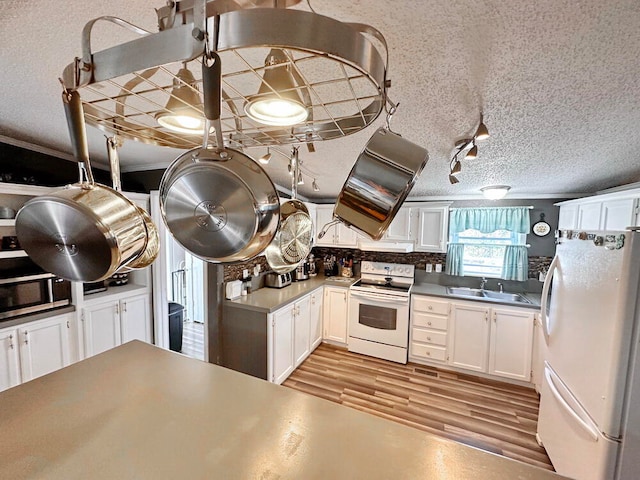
<point x="264" y="159"/>
<point x="471" y="147"/>
<point x="315" y="186"/>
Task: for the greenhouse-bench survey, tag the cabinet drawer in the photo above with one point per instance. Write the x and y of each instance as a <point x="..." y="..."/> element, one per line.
<point x="427" y="320"/>
<point x="430" y="336"/>
<point x="426" y="304"/>
<point x="429" y="352"/>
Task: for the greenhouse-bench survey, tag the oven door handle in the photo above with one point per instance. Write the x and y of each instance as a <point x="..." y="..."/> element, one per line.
<point x="381" y="298"/>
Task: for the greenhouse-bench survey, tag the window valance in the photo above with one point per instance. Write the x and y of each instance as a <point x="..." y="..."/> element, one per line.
<point x="487" y="220"/>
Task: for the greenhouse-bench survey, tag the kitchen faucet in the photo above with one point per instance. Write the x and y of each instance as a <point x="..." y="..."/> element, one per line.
<point x="483" y="283"/>
<point x="500" y="287"/>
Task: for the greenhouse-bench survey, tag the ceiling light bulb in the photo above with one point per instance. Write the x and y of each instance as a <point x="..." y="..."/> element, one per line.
<point x="277" y="102"/>
<point x="264" y="159"/>
<point x="183" y="112"/>
<point x="495" y="192"/>
<point x="471" y="154"/>
<point x="300" y="179"/>
<point x="315" y="186"/>
<point x="482" y="133"/>
<point x="453" y="180"/>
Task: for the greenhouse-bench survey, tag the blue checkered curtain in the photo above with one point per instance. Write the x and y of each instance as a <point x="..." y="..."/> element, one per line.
<point x="455" y="252"/>
<point x="516" y="263"/>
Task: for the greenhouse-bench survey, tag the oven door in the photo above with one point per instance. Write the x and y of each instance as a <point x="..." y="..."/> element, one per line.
<point x="379" y="318"/>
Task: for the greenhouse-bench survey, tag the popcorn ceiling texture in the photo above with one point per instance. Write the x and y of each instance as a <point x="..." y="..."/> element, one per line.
<point x="557" y="82"/>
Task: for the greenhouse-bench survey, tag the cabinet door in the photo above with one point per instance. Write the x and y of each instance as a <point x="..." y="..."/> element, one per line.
<point x="589" y="216"/>
<point x="324" y="214"/>
<point x="44" y="347"/>
<point x="511" y="343"/>
<point x="469" y="336"/>
<point x="9" y="359"/>
<point x="135" y="319"/>
<point x="400" y="227"/>
<point x="346" y="237"/>
<point x="101" y="327"/>
<point x="315" y="319"/>
<point x="618" y="214"/>
<point x="282" y="344"/>
<point x="433" y="223"/>
<point x="301" y="329"/>
<point x="335" y="315"/>
<point x="568" y="217"/>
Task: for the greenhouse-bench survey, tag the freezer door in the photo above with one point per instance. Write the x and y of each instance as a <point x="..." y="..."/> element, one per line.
<point x="573" y="441"/>
<point x="591" y="316"/>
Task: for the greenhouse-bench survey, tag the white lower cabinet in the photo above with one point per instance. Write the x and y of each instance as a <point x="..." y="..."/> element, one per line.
<point x="108" y="324"/>
<point x="335" y="313"/>
<point x="34" y="349"/>
<point x="295" y="333"/>
<point x="475" y="336"/>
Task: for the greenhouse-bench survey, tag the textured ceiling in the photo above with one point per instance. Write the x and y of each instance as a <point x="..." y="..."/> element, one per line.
<point x="558" y="82"/>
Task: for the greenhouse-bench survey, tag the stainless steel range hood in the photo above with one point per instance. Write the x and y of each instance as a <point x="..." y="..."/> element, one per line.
<point x="340" y="70"/>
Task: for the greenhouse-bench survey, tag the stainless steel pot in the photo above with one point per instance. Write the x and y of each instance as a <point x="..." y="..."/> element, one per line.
<point x="379" y="182"/>
<point x="86" y="231"/>
<point x="219" y="204"/>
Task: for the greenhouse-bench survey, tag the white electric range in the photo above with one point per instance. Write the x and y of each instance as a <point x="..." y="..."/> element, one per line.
<point x="379" y="311"/>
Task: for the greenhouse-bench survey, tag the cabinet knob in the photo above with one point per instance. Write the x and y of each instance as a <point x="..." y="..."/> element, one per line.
<point x="429" y="323"/>
<point x="428" y="339"/>
<point x="430" y="307"/>
<point x="428" y="353"/>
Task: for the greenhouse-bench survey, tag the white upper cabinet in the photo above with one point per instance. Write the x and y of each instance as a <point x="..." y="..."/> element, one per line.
<point x="433" y="227"/>
<point x="400" y="229"/>
<point x="608" y="211"/>
<point x="338" y="235"/>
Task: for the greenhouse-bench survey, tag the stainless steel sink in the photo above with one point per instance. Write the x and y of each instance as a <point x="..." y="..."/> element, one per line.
<point x="489" y="294"/>
<point x="465" y="291"/>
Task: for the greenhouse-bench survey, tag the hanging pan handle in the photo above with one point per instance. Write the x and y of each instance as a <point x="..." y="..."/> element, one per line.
<point x="211" y="86"/>
<point x="78" y="133"/>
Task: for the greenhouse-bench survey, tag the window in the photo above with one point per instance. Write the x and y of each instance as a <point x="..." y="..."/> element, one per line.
<point x="484" y="253"/>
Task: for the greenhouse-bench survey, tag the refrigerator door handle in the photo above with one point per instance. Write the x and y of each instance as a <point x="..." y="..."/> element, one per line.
<point x="544" y="318"/>
<point x="593" y="432"/>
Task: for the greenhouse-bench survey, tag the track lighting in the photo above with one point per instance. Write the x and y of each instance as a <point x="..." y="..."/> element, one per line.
<point x="471" y="147"/>
<point x="453" y="179"/>
<point x="264" y="159"/>
<point x="300" y="179"/>
<point x="315" y="186"/>
<point x="482" y="133"/>
<point x="278" y="101"/>
<point x="472" y="154"/>
<point x="183" y="112"/>
<point x="457" y="168"/>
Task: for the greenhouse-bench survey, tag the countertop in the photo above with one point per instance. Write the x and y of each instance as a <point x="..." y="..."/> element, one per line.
<point x="436" y="290"/>
<point x="269" y="300"/>
<point x="140" y="412"/>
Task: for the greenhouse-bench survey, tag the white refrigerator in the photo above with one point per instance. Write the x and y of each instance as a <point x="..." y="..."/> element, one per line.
<point x="589" y="420"/>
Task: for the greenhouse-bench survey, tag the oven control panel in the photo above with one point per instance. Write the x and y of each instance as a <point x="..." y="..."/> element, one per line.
<point x="388" y="269"/>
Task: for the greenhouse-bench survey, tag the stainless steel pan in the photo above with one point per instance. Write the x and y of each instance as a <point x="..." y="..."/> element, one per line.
<point x="219" y="204"/>
<point x="152" y="248"/>
<point x="86" y="231"/>
<point x="379" y="182"/>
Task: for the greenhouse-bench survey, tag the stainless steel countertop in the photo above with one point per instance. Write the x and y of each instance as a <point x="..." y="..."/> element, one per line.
<point x="140" y="412"/>
<point x="437" y="290"/>
<point x="271" y="299"/>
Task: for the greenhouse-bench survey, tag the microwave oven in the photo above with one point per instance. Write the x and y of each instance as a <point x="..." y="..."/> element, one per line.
<point x="33" y="293"/>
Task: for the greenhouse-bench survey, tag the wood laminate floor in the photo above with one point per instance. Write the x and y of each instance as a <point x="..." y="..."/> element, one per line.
<point x="490" y="415"/>
<point x="193" y="339"/>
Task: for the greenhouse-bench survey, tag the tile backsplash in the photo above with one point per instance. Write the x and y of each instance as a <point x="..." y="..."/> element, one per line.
<point x="419" y="259"/>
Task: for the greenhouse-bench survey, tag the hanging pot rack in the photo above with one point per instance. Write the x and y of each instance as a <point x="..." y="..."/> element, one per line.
<point x="340" y="70"/>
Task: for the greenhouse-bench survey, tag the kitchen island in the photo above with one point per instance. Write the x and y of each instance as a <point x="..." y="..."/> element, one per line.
<point x="140" y="412"/>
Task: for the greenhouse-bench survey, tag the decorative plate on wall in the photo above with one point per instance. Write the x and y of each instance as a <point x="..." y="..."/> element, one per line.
<point x="541" y="228"/>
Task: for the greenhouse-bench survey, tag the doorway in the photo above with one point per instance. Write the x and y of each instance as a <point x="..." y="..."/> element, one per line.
<point x="179" y="294"/>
